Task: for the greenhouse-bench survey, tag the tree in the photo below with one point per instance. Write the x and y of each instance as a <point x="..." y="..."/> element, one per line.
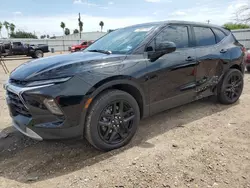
<point x="67" y="31"/>
<point x="233" y="26"/>
<point x="63" y="26"/>
<point x="101" y="24"/>
<point x="42" y="36"/>
<point x="22" y="34"/>
<point x="47" y="36"/>
<point x="81" y="26"/>
<point x="6" y="25"/>
<point x="1" y="26"/>
<point x="12" y="27"/>
<point x="243" y="14"/>
<point x="76" y="31"/>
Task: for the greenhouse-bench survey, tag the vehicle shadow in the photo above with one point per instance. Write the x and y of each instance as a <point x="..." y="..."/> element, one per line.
<point x="26" y="160"/>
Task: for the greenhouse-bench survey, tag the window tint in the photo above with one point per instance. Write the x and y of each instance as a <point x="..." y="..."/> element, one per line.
<point x="219" y="34"/>
<point x="204" y="36"/>
<point x="176" y="34"/>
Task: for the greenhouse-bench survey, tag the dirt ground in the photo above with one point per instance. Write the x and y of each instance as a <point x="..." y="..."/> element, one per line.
<point x="202" y="144"/>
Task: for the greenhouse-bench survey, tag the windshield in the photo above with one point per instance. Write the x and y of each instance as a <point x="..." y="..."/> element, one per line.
<point x="122" y="41"/>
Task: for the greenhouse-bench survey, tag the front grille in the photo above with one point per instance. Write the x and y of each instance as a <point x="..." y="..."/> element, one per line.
<point x="18" y="82"/>
<point x="17" y="106"/>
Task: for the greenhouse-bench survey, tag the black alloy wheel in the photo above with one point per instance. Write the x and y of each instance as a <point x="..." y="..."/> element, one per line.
<point x="112" y="120"/>
<point x="116" y="121"/>
<point x="231" y="88"/>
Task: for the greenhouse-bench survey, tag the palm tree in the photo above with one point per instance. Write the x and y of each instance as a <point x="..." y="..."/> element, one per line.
<point x="6" y="25"/>
<point x="101" y="24"/>
<point x="76" y="31"/>
<point x="63" y="26"/>
<point x="67" y="31"/>
<point x="80" y="26"/>
<point x="12" y="27"/>
<point x="1" y="26"/>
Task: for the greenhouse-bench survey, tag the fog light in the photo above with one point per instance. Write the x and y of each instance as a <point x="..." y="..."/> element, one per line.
<point x="52" y="106"/>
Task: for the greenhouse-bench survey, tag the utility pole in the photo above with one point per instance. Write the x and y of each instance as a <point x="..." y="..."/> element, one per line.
<point x="208" y="21"/>
<point x="79" y="21"/>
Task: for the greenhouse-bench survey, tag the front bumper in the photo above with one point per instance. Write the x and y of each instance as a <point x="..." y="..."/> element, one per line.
<point x="36" y="121"/>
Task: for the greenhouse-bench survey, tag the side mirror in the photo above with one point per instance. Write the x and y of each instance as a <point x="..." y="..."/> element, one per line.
<point x="160" y="50"/>
<point x="167" y="47"/>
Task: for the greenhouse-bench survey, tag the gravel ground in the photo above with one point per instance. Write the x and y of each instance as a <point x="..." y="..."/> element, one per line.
<point x="202" y="144"/>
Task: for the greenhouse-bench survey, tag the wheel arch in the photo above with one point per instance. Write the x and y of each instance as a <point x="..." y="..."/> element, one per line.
<point x="236" y="66"/>
<point x="123" y="83"/>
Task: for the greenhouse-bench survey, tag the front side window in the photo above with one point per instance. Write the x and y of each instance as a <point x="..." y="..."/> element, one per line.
<point x="122" y="41"/>
<point x="176" y="34"/>
<point x="204" y="36"/>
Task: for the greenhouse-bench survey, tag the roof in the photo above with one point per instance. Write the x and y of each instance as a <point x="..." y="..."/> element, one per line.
<point x="176" y="22"/>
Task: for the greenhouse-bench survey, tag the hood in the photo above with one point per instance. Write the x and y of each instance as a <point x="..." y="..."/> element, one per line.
<point x="63" y="65"/>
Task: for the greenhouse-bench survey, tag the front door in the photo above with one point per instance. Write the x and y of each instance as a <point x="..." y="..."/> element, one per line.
<point x="171" y="78"/>
<point x="17" y="48"/>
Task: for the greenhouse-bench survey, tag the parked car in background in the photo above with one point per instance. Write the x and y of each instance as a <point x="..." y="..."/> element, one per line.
<point x="101" y="93"/>
<point x="247" y="60"/>
<point x="19" y="48"/>
<point x="82" y="46"/>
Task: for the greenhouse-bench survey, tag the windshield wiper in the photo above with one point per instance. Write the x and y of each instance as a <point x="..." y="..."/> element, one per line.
<point x="101" y="51"/>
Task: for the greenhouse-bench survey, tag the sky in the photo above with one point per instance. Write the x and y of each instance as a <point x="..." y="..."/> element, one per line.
<point x="45" y="16"/>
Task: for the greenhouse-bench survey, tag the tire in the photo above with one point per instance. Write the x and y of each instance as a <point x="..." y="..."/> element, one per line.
<point x="230" y="88"/>
<point x="38" y="54"/>
<point x="248" y="69"/>
<point x="101" y="123"/>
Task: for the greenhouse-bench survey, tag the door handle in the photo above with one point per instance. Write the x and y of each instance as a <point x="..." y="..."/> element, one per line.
<point x="189" y="58"/>
<point x="223" y="51"/>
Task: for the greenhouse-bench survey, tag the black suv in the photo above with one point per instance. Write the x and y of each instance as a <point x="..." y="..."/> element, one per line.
<point x="134" y="72"/>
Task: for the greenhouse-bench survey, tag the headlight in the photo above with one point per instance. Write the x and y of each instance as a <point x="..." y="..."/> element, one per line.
<point x="45" y="82"/>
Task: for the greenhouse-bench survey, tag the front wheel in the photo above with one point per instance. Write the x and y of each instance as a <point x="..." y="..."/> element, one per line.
<point x="230" y="88"/>
<point x="112" y="120"/>
<point x="38" y="54"/>
<point x="248" y="69"/>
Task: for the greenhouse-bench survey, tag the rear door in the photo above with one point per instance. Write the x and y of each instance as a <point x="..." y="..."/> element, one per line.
<point x="211" y="52"/>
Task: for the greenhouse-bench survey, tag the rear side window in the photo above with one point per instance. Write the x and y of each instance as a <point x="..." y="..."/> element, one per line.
<point x="204" y="36"/>
<point x="177" y="34"/>
<point x="219" y="35"/>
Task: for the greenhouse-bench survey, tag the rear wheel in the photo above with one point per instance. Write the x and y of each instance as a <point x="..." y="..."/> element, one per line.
<point x="231" y="87"/>
<point x="112" y="120"/>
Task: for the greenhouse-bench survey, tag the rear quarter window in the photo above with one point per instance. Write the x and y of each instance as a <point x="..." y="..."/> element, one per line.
<point x="204" y="36"/>
<point x="219" y="34"/>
